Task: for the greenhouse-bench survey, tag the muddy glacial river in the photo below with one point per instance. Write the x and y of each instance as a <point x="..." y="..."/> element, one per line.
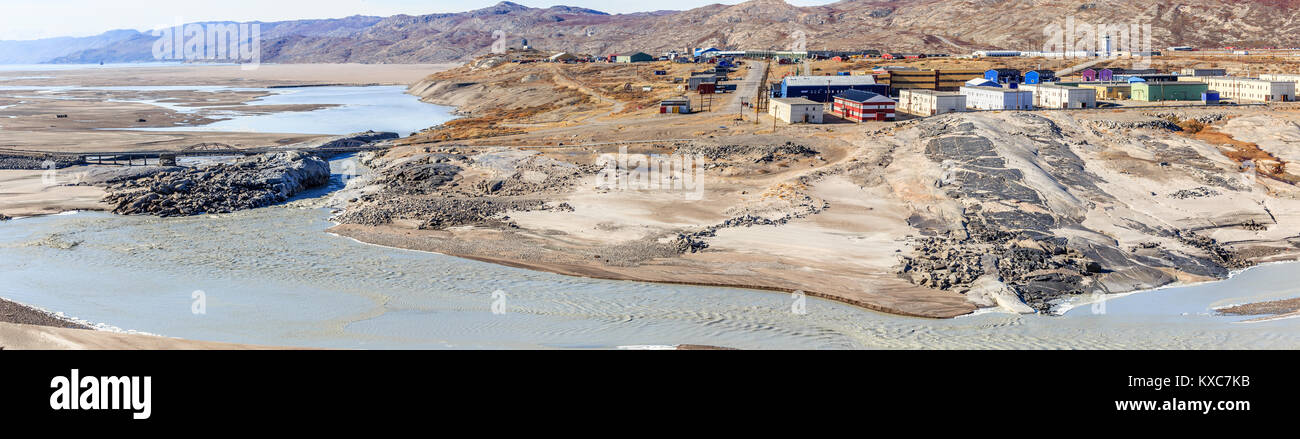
<point x="274" y="276"/>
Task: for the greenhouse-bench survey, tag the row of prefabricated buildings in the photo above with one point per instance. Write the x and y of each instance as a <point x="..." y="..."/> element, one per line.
<point x="795" y="97"/>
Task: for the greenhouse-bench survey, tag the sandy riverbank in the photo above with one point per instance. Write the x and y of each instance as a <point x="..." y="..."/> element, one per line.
<point x="26" y="328"/>
<point x="30" y="337"/>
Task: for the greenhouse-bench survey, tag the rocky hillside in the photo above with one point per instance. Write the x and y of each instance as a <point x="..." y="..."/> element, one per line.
<point x="931" y="25"/>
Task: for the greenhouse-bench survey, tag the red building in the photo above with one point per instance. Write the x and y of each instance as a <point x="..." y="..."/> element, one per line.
<point x="858" y="105"/>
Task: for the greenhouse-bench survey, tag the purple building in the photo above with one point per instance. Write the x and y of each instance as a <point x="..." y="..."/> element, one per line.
<point x="1089" y="75"/>
<point x="1106" y="75"/>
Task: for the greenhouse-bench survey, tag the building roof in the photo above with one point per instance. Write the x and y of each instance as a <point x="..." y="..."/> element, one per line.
<point x="631" y="54"/>
<point x="981" y="82"/>
<point x="922" y="91"/>
<point x="862" y="96"/>
<point x="1172" y="83"/>
<point x="1119" y="71"/>
<point x="829" y="80"/>
<point x="1057" y="86"/>
<point x="1241" y="79"/>
<point x="1004" y="90"/>
<point x="796" y="101"/>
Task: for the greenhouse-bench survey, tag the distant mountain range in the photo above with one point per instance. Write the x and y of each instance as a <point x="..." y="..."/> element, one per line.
<point x="954" y="26"/>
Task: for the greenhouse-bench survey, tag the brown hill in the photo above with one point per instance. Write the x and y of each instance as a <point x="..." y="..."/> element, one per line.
<point x="954" y="26"/>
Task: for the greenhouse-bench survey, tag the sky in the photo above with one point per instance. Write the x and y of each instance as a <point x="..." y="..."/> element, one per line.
<point x="33" y="19"/>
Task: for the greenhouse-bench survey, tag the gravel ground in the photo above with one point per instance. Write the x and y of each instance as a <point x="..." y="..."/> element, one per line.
<point x="11" y="312"/>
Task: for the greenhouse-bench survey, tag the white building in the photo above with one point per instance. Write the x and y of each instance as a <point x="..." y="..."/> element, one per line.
<point x="1060" y="96"/>
<point x="677" y="105"/>
<point x="795" y="110"/>
<point x="929" y="102"/>
<point x="1282" y="77"/>
<point x="1251" y="89"/>
<point x="994" y="98"/>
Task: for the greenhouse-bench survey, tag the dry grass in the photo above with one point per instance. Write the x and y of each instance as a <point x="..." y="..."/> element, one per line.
<point x="1266" y="164"/>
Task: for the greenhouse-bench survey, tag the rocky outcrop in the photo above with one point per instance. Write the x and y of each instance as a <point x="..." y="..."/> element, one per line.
<point x="37" y="163"/>
<point x="247" y="183"/>
<point x="349" y="140"/>
<point x="1028" y="203"/>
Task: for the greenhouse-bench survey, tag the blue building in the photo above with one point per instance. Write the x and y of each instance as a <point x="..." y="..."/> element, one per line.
<point x="824" y="88"/>
<point x="1039" y="76"/>
<point x="711" y="51"/>
<point x="1004" y="76"/>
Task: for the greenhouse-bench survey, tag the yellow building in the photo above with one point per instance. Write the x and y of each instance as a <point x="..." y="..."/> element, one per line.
<point x="1110" y="90"/>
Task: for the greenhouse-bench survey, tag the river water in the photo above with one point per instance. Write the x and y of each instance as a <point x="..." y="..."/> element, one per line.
<point x="351" y="109"/>
<point x="274" y="276"/>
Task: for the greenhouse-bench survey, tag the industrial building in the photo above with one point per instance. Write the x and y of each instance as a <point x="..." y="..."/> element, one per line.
<point x="693" y="83"/>
<point x="563" y="56"/>
<point x="1168" y="91"/>
<point x="706" y="52"/>
<point x="994" y="98"/>
<point x="1131" y="72"/>
<point x="1110" y="90"/>
<point x="1146" y="77"/>
<point x="1204" y="72"/>
<point x="680" y="104"/>
<point x="980" y="82"/>
<point x="822" y="88"/>
<point x="1108" y="74"/>
<point x="942" y="80"/>
<point x="858" y="105"/>
<point x="1060" y="96"/>
<point x="1251" y="89"/>
<point x="930" y="102"/>
<point x="633" y="57"/>
<point x="995" y="53"/>
<point x="795" y="110"/>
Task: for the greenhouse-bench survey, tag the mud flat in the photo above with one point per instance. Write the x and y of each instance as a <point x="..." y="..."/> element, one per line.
<point x="1270" y="310"/>
<point x="265" y="75"/>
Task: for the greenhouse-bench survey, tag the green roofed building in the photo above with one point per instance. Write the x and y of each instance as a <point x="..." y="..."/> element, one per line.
<point x="1168" y="91"/>
<point x="633" y="57"/>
